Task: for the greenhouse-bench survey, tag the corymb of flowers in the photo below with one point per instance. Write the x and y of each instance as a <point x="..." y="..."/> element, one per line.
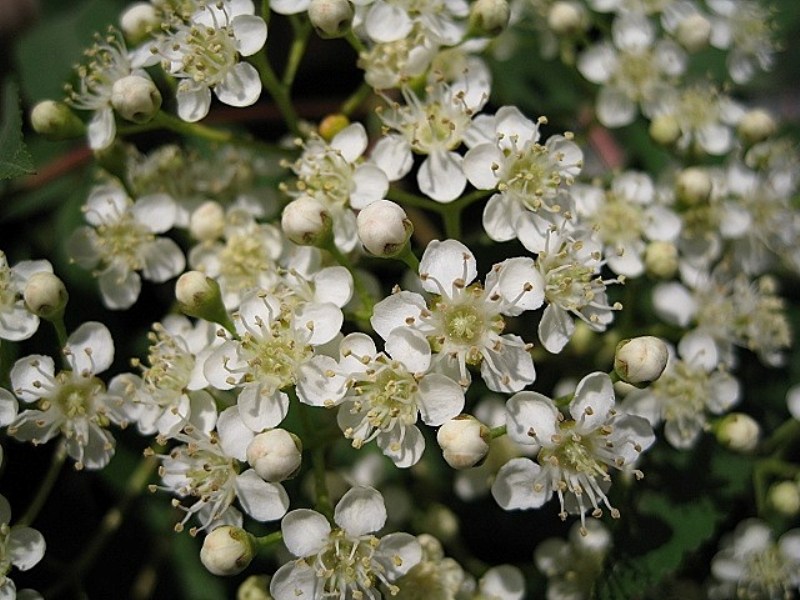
<point x="414" y="299"/>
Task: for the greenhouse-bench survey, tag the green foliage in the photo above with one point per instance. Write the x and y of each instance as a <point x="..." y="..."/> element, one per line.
<point x="15" y="160"/>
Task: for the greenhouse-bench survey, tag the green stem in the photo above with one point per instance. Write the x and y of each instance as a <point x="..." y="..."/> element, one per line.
<point x="403" y="197"/>
<point x="198" y="130"/>
<point x="356" y="99"/>
<point x="497" y="432"/>
<point x="278" y="91"/>
<point x="46" y="486"/>
<point x="356" y="43"/>
<point x="301" y="31"/>
<point x="471" y="198"/>
<point x="788" y="432"/>
<point x="452" y="223"/>
<point x="265" y="13"/>
<point x="409" y="258"/>
<point x="265" y="541"/>
<point x="61" y="329"/>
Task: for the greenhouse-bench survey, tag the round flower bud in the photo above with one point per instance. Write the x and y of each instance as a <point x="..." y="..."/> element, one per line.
<point x="756" y="125"/>
<point x="566" y="18"/>
<point x="661" y="259"/>
<point x="384" y="228"/>
<point x="255" y="587"/>
<point x="464" y="441"/>
<point x="784" y="497"/>
<point x="306" y="221"/>
<point x="665" y="129"/>
<point x="592" y="538"/>
<point x="135" y="98"/>
<point x="330" y="18"/>
<point x="55" y="120"/>
<point x="489" y="17"/>
<point x="200" y="296"/>
<point x="227" y="550"/>
<point x="693" y="32"/>
<point x="331" y="125"/>
<point x="138" y="20"/>
<point x="45" y="295"/>
<point x="207" y="222"/>
<point x="641" y="360"/>
<point x="738" y="432"/>
<point x="275" y="455"/>
<point x="693" y="185"/>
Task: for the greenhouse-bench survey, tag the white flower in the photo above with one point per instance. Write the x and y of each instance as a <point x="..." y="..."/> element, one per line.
<point x="383" y="394"/>
<point x="391" y="20"/>
<point x="570" y="266"/>
<point x="121" y="240"/>
<point x="20" y="547"/>
<point x="529" y="177"/>
<point x="207" y="469"/>
<point x="334" y="174"/>
<point x="347" y="561"/>
<point x="744" y="29"/>
<point x="434" y="126"/>
<point x="390" y="64"/>
<point x="170" y="393"/>
<point x="690" y="387"/>
<point x="72" y="402"/>
<point x="576" y="453"/>
<point x="204" y="54"/>
<point x="464" y="321"/>
<point x="16" y="321"/>
<point x="751" y="565"/>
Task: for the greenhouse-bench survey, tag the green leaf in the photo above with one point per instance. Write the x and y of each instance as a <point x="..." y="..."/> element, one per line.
<point x="15" y="160"/>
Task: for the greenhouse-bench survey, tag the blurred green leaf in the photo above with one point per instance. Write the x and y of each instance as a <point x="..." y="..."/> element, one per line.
<point x="15" y="160"/>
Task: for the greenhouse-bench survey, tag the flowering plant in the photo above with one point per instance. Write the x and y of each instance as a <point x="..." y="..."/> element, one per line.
<point x="454" y="299"/>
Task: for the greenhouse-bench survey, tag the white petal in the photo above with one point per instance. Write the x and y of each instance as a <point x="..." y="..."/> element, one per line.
<point x="396" y="310"/>
<point x="409" y="347"/>
<point x="598" y="63"/>
<point x="593" y="400"/>
<point x="441" y="176"/>
<point x="102" y="129"/>
<point x="91" y="348"/>
<point x="441" y="399"/>
<point x="399" y="553"/>
<point x="482" y="165"/>
<point x="333" y="284"/>
<point x="510" y="122"/>
<point x="674" y="303"/>
<point x="510" y="368"/>
<point x="371" y="184"/>
<point x="555" y="328"/>
<point x="262" y="408"/>
<point x="614" y="108"/>
<point x="531" y="418"/>
<point x="157" y="212"/>
<point x="163" y="260"/>
<point x="261" y="500"/>
<point x="119" y="287"/>
<point x="403" y="444"/>
<point x="504" y="582"/>
<point x="28" y="372"/>
<point x="250" y="33"/>
<point x="193" y="100"/>
<point x="305" y="532"/>
<point x="319" y="384"/>
<point x="521" y="285"/>
<point x="387" y="23"/>
<point x="323" y="321"/>
<point x="351" y="141"/>
<point x="8" y="411"/>
<point x="240" y="87"/>
<point x="25" y="547"/>
<point x="699" y="349"/>
<point x="445" y="264"/>
<point x="234" y="435"/>
<point x="793" y="401"/>
<point x="295" y="580"/>
<point x="513" y="487"/>
<point x="500" y="217"/>
<point x="725" y="391"/>
<point x="393" y="155"/>
<point x="360" y="511"/>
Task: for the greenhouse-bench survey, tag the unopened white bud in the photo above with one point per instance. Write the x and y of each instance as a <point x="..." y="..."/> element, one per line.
<point x="641" y="360"/>
<point x="489" y="17"/>
<point x="330" y="18"/>
<point x="45" y="295"/>
<point x="665" y="129"/>
<point x="138" y="21"/>
<point x="738" y="432"/>
<point x="440" y="521"/>
<point x="464" y="441"/>
<point x="55" y="120"/>
<point x="306" y="221"/>
<point x="567" y="18"/>
<point x="693" y="32"/>
<point x="756" y="126"/>
<point x="384" y="228"/>
<point x="135" y="98"/>
<point x="199" y="296"/>
<point x="784" y="497"/>
<point x="661" y="259"/>
<point x="227" y="550"/>
<point x="275" y="455"/>
<point x="693" y="185"/>
<point x="207" y="222"/>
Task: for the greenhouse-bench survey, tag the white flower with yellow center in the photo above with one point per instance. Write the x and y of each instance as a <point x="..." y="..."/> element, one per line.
<point x="20" y="547"/>
<point x="383" y="394"/>
<point x="346" y="561"/>
<point x="388" y="65"/>
<point x="577" y="452"/>
<point x="73" y="402"/>
<point x="745" y="29"/>
<point x="463" y="322"/>
<point x="205" y="52"/>
<point x="122" y="240"/>
<point x="16" y="321"/>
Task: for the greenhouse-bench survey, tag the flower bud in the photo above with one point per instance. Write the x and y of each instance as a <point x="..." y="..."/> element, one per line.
<point x="693" y="185"/>
<point x="227" y="550"/>
<point x="592" y="538"/>
<point x="784" y="497"/>
<point x="135" y="98"/>
<point x="330" y="18"/>
<point x="255" y="587"/>
<point x="56" y="121"/>
<point x="306" y="222"/>
<point x="464" y="441"/>
<point x="489" y="17"/>
<point x="566" y="18"/>
<point x="138" y="20"/>
<point x="665" y="129"/>
<point x="384" y="228"/>
<point x="439" y="521"/>
<point x="693" y="32"/>
<point x="275" y="455"/>
<point x="641" y="360"/>
<point x="738" y="432"/>
<point x="207" y="222"/>
<point x="199" y="296"/>
<point x="661" y="259"/>
<point x="331" y="125"/>
<point x="45" y="295"/>
<point x="756" y="125"/>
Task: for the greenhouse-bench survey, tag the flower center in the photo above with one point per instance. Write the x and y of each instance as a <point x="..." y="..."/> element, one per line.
<point x="119" y="240"/>
<point x="767" y="575"/>
<point x="274" y="356"/>
<point x="618" y="221"/>
<point x="74" y="397"/>
<point x="326" y="175"/>
<point x="170" y="367"/>
<point x="637" y="73"/>
<point x="533" y="176"/>
<point x="244" y="260"/>
<point x="106" y="62"/>
<point x="207" y="54"/>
